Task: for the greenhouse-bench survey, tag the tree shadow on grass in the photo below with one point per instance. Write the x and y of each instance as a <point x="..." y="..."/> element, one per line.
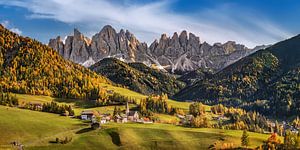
<point x="84" y="130"/>
<point x="115" y="137"/>
<point x="53" y="142"/>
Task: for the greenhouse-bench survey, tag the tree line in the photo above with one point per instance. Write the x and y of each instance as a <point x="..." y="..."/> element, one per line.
<point x="8" y="99"/>
<point x="105" y="98"/>
<point x="157" y="104"/>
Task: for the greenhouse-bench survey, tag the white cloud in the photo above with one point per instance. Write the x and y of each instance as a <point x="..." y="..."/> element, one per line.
<point x="16" y="30"/>
<point x="148" y="21"/>
<point x="9" y="26"/>
<point x="5" y="23"/>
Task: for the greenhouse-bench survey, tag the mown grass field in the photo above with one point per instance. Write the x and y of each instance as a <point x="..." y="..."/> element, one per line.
<point x="37" y="129"/>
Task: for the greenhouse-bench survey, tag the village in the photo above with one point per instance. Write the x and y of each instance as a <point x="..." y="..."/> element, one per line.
<point x="96" y="118"/>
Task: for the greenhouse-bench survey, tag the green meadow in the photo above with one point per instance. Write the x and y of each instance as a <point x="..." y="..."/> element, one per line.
<point x="37" y="130"/>
<point x="79" y="105"/>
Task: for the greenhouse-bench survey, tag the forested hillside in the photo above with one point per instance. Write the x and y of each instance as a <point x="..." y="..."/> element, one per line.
<point x="28" y="66"/>
<point x="138" y="77"/>
<point x="271" y="74"/>
<point x="196" y="75"/>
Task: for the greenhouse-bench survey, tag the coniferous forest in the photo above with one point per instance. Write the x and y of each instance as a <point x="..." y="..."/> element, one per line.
<point x="29" y="67"/>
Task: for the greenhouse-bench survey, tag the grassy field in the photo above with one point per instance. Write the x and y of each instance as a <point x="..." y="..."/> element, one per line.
<point x="32" y="127"/>
<point x="79" y="105"/>
<point x="37" y="129"/>
<point x="124" y="91"/>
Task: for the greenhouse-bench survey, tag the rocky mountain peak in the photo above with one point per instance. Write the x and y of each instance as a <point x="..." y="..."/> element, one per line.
<point x="79" y="49"/>
<point x="183" y="34"/>
<point x="193" y="36"/>
<point x="57" y="44"/>
<point x="108" y="32"/>
<point x="122" y="32"/>
<point x="77" y="33"/>
<point x="183" y="38"/>
<point x="175" y="36"/>
<point x="108" y="29"/>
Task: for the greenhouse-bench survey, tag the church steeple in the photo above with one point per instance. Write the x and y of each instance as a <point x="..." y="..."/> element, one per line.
<point x="127" y="109"/>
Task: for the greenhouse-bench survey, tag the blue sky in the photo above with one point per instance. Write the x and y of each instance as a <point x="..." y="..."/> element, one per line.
<point x="249" y="22"/>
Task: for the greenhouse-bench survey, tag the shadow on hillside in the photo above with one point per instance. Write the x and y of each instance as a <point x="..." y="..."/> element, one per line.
<point x="53" y="142"/>
<point x="115" y="138"/>
<point x="84" y="130"/>
<point x="82" y="124"/>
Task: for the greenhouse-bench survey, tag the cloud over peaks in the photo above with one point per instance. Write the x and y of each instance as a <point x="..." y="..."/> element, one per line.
<point x="148" y="20"/>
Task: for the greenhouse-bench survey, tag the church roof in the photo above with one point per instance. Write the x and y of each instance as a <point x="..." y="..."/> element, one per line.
<point x="131" y="113"/>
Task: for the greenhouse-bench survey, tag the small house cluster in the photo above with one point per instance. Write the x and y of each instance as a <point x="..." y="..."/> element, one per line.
<point x="128" y="116"/>
<point x="92" y="115"/>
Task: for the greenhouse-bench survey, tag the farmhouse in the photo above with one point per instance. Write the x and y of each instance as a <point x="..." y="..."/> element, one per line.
<point x="185" y="119"/>
<point x="35" y="106"/>
<point x="89" y="115"/>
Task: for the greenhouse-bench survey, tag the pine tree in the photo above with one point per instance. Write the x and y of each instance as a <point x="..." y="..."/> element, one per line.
<point x="245" y="139"/>
<point x="115" y="111"/>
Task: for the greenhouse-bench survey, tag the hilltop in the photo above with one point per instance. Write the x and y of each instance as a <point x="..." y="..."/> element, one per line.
<point x="138" y="77"/>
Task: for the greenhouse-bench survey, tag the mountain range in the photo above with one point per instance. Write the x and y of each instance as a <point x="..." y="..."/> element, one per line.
<point x="179" y="53"/>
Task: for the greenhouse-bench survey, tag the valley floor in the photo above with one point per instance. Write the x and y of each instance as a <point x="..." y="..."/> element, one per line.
<point x="38" y="130"/>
